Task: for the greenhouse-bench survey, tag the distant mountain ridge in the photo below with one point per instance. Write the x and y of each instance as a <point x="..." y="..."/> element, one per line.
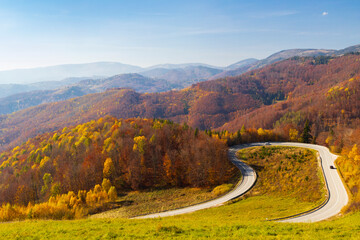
<point x="158" y="78"/>
<point x="241" y="63"/>
<point x="135" y="81"/>
<point x="182" y="65"/>
<point x="11" y="89"/>
<point x="60" y="72"/>
<point x="224" y="103"/>
<point x="86" y="70"/>
<point x="108" y="69"/>
<point x="155" y="80"/>
<point x="285" y="54"/>
<point x="183" y="77"/>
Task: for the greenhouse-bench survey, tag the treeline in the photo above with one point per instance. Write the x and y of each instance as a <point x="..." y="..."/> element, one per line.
<point x="333" y="114"/>
<point x="251" y="135"/>
<point x="132" y="154"/>
<point x="244" y="135"/>
<point x="63" y="206"/>
<point x="349" y="164"/>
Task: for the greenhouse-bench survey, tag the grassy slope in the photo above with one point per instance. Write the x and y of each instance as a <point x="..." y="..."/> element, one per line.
<point x="286" y="171"/>
<point x="146" y="202"/>
<point x="245" y="219"/>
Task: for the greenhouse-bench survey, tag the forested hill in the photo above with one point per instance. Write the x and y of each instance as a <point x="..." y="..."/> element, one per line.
<point x="329" y="98"/>
<point x="131" y="154"/>
<point x="212" y="104"/>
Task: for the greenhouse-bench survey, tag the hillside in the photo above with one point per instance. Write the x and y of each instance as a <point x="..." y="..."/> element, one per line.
<point x="181" y="65"/>
<point x="12" y="89"/>
<point x="285" y="54"/>
<point x="24" y="100"/>
<point x="242" y="219"/>
<point x="157" y="80"/>
<point x="137" y="82"/>
<point x="205" y="105"/>
<point x="295" y="170"/>
<point x="182" y="77"/>
<point x="60" y="72"/>
<point x="242" y="63"/>
<point x="328" y="99"/>
<point x="133" y="154"/>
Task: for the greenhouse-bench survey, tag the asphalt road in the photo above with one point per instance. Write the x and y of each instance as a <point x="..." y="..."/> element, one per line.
<point x="247" y="181"/>
<point x="338" y="197"/>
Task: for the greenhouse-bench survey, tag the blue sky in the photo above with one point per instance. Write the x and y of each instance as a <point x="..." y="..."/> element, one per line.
<point x="148" y="32"/>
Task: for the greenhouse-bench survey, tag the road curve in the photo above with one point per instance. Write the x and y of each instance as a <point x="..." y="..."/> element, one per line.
<point x="338" y="197"/>
<point x="248" y="180"/>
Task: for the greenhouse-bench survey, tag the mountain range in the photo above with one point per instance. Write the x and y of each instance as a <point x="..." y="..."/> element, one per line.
<point x="258" y="98"/>
<point x="107" y="69"/>
<point x="177" y="79"/>
<point x="282" y="55"/>
<point x="158" y="78"/>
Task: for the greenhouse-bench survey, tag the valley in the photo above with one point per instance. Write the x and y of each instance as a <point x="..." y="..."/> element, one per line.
<point x="254" y="99"/>
<point x="179" y="119"/>
<point x="153" y="144"/>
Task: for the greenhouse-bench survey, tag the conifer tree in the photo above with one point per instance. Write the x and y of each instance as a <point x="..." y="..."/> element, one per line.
<point x="306" y="137"/>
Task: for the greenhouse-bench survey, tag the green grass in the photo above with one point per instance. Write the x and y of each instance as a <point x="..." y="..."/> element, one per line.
<point x="241" y="220"/>
<point x="286" y="171"/>
<point x="146" y="202"/>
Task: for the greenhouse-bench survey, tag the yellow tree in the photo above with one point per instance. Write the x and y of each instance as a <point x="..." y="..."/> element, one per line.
<point x="293" y="134"/>
<point x="139" y="144"/>
<point x="109" y="168"/>
<point x="112" y="194"/>
<point x="261" y="133"/>
<point x="354" y="151"/>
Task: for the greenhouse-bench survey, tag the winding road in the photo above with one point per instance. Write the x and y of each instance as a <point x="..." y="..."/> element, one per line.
<point x="337" y="195"/>
<point x="247" y="181"/>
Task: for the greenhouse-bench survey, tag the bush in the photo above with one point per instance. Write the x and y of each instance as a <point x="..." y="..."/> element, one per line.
<point x="64" y="206"/>
<point x="112" y="194"/>
<point x="222" y="189"/>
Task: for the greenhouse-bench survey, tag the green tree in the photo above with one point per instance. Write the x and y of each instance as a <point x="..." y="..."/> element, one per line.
<point x="139" y="144"/>
<point x="306" y="137"/>
<point x="196" y="132"/>
<point x="55" y="189"/>
<point x="47" y="180"/>
<point x="106" y="184"/>
<point x="243" y="130"/>
<point x="238" y="137"/>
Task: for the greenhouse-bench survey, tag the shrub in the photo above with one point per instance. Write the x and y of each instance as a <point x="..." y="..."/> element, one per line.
<point x="112" y="194"/>
<point x="222" y="189"/>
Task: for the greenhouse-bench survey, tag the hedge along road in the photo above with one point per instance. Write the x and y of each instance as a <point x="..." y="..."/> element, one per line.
<point x="337" y="195"/>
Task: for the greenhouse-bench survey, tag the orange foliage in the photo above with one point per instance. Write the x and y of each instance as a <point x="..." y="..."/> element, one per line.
<point x="78" y="158"/>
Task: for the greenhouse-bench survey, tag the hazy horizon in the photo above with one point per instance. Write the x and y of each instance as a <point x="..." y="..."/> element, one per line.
<point x="146" y="33"/>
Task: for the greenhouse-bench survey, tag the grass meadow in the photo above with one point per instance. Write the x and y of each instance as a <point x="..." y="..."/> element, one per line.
<point x="244" y="218"/>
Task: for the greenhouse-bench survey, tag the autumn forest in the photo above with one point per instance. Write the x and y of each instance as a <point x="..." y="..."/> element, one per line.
<point x="71" y="158"/>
